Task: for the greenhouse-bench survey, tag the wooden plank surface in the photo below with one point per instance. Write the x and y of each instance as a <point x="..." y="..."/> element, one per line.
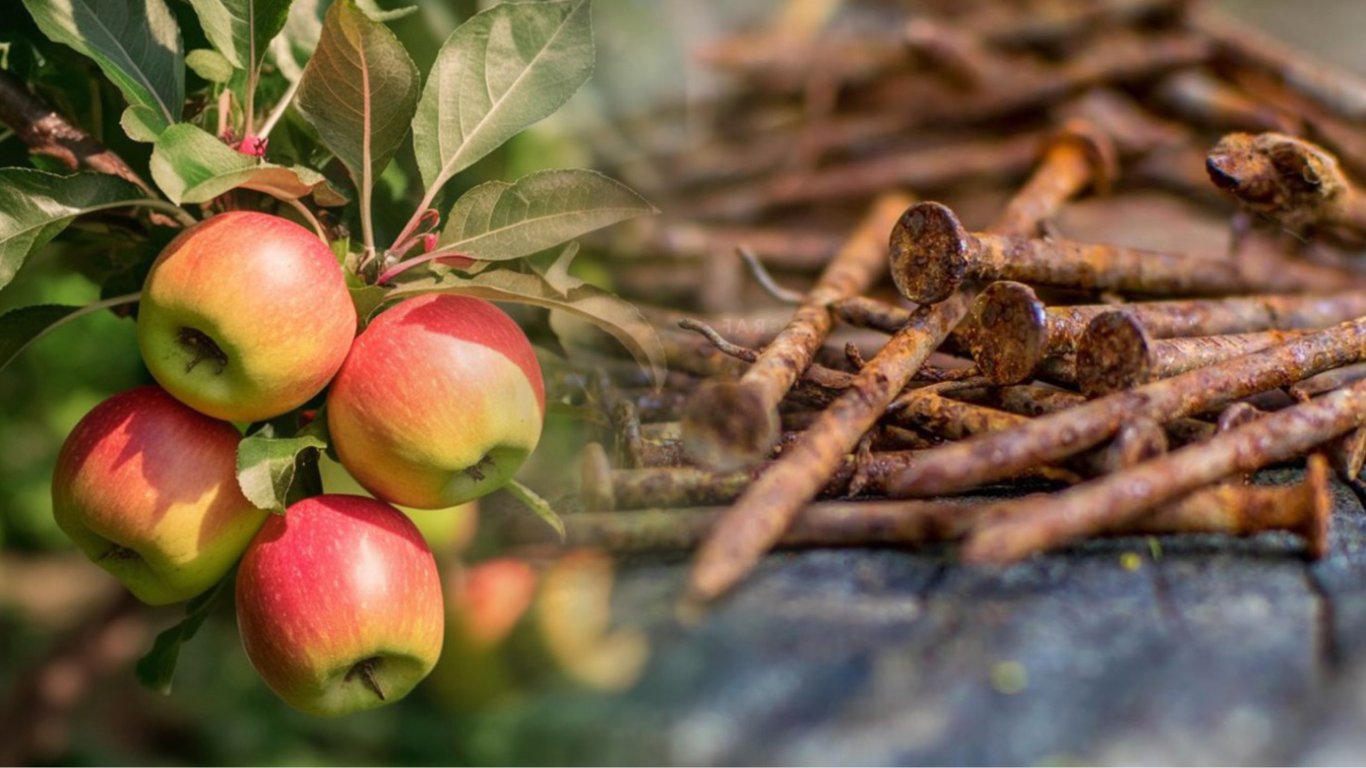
<point x="1192" y="650"/>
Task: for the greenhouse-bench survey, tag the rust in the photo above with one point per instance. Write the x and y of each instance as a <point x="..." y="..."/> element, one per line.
<point x="731" y="425"/>
<point x="987" y="458"/>
<point x="1010" y="531"/>
<point x="1051" y="24"/>
<point x="1331" y="89"/>
<point x="1291" y="181"/>
<point x="1303" y="509"/>
<point x="1116" y="352"/>
<point x="1024" y="83"/>
<point x="766" y="509"/>
<point x="954" y="51"/>
<point x="932" y="254"/>
<point x="1017" y="332"/>
<point x="1198" y="96"/>
<point x="914" y="168"/>
<point x="866" y="312"/>
<point x="1327" y="381"/>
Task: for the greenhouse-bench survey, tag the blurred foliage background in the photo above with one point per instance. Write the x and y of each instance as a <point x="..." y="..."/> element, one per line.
<point x="219" y="712"/>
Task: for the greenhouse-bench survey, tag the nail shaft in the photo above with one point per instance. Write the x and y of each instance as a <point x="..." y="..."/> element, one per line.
<point x="766" y="510"/>
<point x="1117" y="353"/>
<point x="1013" y="530"/>
<point x="1303" y="509"/>
<point x="1017" y="332"/>
<point x="1050" y="439"/>
<point x="929" y="267"/>
<point x="732" y="425"/>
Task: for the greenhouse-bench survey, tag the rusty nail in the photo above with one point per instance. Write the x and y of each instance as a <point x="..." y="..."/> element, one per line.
<point x="993" y="456"/>
<point x="1016" y="529"/>
<point x="1116" y="352"/>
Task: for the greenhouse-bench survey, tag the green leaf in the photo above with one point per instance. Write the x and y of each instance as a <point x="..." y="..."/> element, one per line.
<point x="294" y="46"/>
<point x="367" y="298"/>
<point x="536" y="504"/>
<point x="19" y="328"/>
<point x="193" y="166"/>
<point x="376" y="13"/>
<point x="610" y="313"/>
<point x="497" y="221"/>
<point x="498" y="73"/>
<point x="35" y="206"/>
<point x="241" y="30"/>
<point x="209" y="64"/>
<point x="136" y="43"/>
<point x="267" y="465"/>
<point x="358" y="91"/>
<point x="156" y="669"/>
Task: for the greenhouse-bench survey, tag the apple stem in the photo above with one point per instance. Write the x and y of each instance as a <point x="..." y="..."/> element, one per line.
<point x="403" y="266"/>
<point x="203" y="348"/>
<point x="366" y="670"/>
<point x="118" y="552"/>
<point x="475" y="470"/>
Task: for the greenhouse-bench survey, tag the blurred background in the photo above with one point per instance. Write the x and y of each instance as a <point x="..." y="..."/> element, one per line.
<point x="67" y="642"/>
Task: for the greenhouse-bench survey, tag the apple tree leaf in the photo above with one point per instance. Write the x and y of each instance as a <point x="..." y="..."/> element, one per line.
<point x="503" y="70"/>
<point x="535" y="503"/>
<point x="241" y="30"/>
<point x="35" y="206"/>
<point x="209" y="64"/>
<point x="192" y="166"/>
<point x="293" y="47"/>
<point x="267" y="465"/>
<point x="608" y="312"/>
<point x="359" y="91"/>
<point x="136" y="43"/>
<point x="498" y="220"/>
<point x="156" y="669"/>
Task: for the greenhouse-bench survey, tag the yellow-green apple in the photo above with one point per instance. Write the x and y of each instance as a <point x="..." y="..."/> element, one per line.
<point x="449" y="531"/>
<point x="147" y="488"/>
<point x="339" y="605"/>
<point x="439" y="402"/>
<point x="245" y="316"/>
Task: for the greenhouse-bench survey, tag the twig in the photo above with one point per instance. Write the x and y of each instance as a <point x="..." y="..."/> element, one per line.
<point x="48" y="133"/>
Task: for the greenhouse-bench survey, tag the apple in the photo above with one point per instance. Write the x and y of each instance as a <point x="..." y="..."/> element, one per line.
<point x="147" y="488"/>
<point x="339" y="605"/>
<point x="439" y="402"/>
<point x="245" y="316"/>
<point x="485" y="602"/>
<point x="449" y="531"/>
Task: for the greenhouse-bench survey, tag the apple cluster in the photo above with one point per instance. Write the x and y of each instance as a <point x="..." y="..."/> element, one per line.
<point x="244" y="318"/>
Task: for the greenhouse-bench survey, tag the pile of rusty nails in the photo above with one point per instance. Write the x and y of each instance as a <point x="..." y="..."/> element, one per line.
<point x="1134" y="389"/>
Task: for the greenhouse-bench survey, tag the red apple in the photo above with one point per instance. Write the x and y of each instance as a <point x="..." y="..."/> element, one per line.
<point x="339" y="605"/>
<point x="147" y="488"/>
<point x="485" y="602"/>
<point x="439" y="402"/>
<point x="245" y="316"/>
